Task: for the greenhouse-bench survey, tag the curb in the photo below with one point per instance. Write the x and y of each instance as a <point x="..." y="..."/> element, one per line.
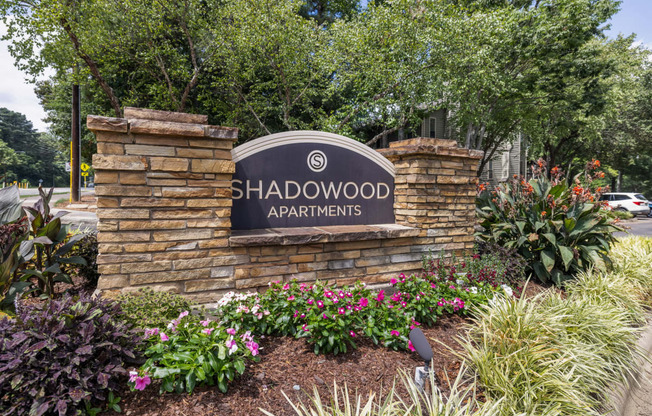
<point x="623" y="397"/>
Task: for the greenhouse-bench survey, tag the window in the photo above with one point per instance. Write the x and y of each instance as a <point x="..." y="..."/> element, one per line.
<point x="621" y="197"/>
<point x="641" y="197"/>
<point x="490" y="174"/>
<point x="432" y="126"/>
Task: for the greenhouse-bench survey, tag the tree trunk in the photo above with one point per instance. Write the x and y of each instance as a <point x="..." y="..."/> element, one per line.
<point x="619" y="180"/>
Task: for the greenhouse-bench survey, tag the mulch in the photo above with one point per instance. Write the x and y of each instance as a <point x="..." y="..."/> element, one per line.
<point x="290" y="366"/>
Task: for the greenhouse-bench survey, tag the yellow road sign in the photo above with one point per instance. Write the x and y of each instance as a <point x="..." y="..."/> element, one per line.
<point x="84" y="174"/>
<point x="85" y="167"/>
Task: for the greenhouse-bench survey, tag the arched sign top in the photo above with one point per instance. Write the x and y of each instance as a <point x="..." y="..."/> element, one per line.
<point x="308" y="136"/>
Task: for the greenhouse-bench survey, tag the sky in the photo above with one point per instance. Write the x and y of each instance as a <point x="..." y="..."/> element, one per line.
<point x="18" y="95"/>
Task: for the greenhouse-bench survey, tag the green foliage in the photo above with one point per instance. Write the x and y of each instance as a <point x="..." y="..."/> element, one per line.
<point x="558" y="228"/>
<point x="460" y="400"/>
<point x="617" y="215"/>
<point x="13" y="231"/>
<point x="333" y="319"/>
<point x="191" y="353"/>
<point x="48" y="247"/>
<point x="359" y="69"/>
<point x="26" y="154"/>
<point x="562" y="355"/>
<point x="507" y="263"/>
<point x="149" y="309"/>
<point x="85" y="248"/>
<point x="632" y="257"/>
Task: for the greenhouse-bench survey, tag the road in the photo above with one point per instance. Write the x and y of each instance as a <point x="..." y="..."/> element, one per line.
<point x="637" y="226"/>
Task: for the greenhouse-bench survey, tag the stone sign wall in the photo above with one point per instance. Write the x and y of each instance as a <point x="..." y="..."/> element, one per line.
<point x="163" y="183"/>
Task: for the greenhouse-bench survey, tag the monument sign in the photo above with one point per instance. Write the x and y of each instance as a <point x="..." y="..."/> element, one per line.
<point x="310" y="178"/>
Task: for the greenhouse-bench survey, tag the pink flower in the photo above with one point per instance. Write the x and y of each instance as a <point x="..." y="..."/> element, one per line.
<point x="403" y="304"/>
<point x="381" y="296"/>
<point x="341" y="295"/>
<point x="286" y="286"/>
<point x="310" y="302"/>
<point x="230" y="331"/>
<point x="363" y="302"/>
<point x="395" y="333"/>
<point x="353" y="334"/>
<point x="253" y="347"/>
<point x="328" y="294"/>
<point x="183" y="314"/>
<point x="320" y="303"/>
<point x="305" y="328"/>
<point x="393" y="281"/>
<point x="231" y="345"/>
<point x="150" y="332"/>
<point x="207" y="331"/>
<point x="325" y="316"/>
<point x="133" y="375"/>
<point x="335" y="300"/>
<point x="341" y="311"/>
<point x="164" y="337"/>
<point x="410" y="346"/>
<point x="142" y="382"/>
<point x="290" y="298"/>
<point x="205" y="323"/>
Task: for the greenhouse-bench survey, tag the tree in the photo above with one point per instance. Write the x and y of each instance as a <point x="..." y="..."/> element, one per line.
<point x="8" y="160"/>
<point x="35" y="156"/>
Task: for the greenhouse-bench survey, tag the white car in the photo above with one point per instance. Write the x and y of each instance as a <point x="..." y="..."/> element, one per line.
<point x="635" y="203"/>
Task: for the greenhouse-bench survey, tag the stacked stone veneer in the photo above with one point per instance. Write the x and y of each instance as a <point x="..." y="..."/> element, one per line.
<point x="164" y="205"/>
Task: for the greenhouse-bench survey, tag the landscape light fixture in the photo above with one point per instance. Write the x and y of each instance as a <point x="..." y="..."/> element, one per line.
<point x="423" y="348"/>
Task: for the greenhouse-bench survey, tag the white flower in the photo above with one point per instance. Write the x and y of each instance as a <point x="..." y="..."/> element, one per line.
<point x="473" y="290"/>
<point x="459" y="281"/>
<point x="508" y="290"/>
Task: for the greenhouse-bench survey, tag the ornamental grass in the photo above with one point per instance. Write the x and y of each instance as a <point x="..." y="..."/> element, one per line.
<point x="562" y="354"/>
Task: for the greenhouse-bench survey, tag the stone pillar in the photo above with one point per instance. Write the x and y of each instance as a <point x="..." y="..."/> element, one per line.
<point x="163" y="186"/>
<point x="435" y="188"/>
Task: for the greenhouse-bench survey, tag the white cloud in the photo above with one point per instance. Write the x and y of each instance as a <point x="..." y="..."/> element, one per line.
<point x="16" y="93"/>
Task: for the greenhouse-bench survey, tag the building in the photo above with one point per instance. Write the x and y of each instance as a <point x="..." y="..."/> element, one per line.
<point x="509" y="160"/>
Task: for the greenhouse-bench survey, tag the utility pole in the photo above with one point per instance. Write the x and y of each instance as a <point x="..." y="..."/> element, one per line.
<point x="75" y="148"/>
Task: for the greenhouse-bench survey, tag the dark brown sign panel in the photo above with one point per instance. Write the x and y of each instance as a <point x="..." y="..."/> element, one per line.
<point x="308" y="178"/>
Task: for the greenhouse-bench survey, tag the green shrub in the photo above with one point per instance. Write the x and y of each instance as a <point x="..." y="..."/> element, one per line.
<point x="85" y="248"/>
<point x="508" y="264"/>
<point x="620" y="215"/>
<point x="332" y="319"/>
<point x="556" y="354"/>
<point x="632" y="257"/>
<point x="187" y="353"/>
<point x="559" y="229"/>
<point x="149" y="309"/>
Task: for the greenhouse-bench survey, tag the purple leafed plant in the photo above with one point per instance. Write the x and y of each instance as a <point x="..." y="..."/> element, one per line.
<point x="59" y="357"/>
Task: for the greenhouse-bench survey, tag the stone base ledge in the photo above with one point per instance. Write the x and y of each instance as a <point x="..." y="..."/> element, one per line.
<point x="311" y="235"/>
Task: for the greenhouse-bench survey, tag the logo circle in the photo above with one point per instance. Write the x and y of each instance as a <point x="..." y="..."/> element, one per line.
<point x="317" y="161"/>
